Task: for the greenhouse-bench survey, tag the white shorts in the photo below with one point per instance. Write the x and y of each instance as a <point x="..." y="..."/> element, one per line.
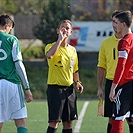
<point x="12" y="102"/>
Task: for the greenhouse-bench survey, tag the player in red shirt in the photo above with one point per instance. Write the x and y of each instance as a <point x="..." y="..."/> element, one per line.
<point x="122" y="86"/>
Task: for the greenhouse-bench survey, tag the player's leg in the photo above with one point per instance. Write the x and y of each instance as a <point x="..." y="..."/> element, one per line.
<point x="117" y="126"/>
<point x="14" y="106"/>
<point x="1" y="124"/>
<point x="121" y="107"/>
<point x="130" y="124"/>
<point x="20" y="114"/>
<point x="21" y="125"/>
<point x="109" y="126"/>
<point x="108" y="104"/>
<point x="130" y="120"/>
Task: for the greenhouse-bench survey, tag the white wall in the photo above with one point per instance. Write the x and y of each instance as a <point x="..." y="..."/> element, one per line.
<point x="88" y="36"/>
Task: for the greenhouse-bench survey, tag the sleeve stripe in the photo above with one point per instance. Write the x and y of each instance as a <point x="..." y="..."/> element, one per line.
<point x="17" y="60"/>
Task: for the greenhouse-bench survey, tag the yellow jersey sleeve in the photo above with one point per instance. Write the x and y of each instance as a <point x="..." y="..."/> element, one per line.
<point x="108" y="56"/>
<point x="102" y="56"/>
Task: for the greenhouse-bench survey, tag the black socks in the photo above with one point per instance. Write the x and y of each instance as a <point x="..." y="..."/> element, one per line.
<point x="51" y="130"/>
<point x="131" y="128"/>
<point x="109" y="127"/>
<point x="66" y="130"/>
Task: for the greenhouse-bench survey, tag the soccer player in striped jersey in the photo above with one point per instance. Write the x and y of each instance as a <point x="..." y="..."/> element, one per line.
<point x="12" y="72"/>
<point x="121" y="93"/>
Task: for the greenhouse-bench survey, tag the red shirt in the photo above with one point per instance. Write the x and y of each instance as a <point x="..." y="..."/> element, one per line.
<point x="124" y="69"/>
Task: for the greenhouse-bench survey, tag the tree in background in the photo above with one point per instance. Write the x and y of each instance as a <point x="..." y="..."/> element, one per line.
<point x="8" y="6"/>
<point x="23" y="7"/>
<point x="54" y="12"/>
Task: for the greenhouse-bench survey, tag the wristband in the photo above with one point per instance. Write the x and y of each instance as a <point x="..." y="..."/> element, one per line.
<point x="78" y="81"/>
<point x="27" y="89"/>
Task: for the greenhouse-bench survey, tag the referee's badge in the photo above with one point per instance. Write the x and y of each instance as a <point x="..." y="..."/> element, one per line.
<point x="71" y="63"/>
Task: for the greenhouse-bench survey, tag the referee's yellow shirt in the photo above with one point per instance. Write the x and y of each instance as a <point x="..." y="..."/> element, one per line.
<point x="108" y="56"/>
<point x="62" y="65"/>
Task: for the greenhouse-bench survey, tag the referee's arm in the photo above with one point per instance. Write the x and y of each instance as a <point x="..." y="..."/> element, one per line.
<point x="78" y="84"/>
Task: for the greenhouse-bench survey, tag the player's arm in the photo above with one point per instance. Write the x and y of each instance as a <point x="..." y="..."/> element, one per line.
<point x="122" y="58"/>
<point x="118" y="74"/>
<point x="17" y="58"/>
<point x="100" y="79"/>
<point x="22" y="74"/>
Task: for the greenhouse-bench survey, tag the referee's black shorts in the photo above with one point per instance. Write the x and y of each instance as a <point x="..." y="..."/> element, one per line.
<point x="107" y="103"/>
<point x="123" y="105"/>
<point x="61" y="103"/>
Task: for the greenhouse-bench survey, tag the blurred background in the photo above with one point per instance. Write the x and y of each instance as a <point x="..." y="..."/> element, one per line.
<point x="35" y="26"/>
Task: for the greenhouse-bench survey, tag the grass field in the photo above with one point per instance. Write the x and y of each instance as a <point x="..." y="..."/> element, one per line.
<point x="37" y="119"/>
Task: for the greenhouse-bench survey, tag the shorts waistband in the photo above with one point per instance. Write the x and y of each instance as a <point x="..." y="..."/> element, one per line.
<point x="61" y="86"/>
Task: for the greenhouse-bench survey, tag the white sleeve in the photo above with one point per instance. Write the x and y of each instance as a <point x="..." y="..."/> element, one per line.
<point x="16" y="53"/>
<point x="22" y="73"/>
<point x="17" y="58"/>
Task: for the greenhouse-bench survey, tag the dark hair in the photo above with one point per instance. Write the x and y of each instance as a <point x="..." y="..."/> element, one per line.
<point x="125" y="16"/>
<point x="65" y="21"/>
<point x="116" y="12"/>
<point x="5" y="19"/>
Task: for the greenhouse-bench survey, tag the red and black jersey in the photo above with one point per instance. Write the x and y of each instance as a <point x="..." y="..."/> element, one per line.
<point x="124" y="69"/>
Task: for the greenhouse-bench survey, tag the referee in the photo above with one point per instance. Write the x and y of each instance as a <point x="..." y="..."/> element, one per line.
<point x="63" y="71"/>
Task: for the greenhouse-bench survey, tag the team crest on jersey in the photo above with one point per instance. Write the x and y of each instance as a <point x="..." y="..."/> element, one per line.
<point x="71" y="63"/>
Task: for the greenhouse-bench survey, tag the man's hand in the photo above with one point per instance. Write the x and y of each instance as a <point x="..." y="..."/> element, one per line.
<point x="62" y="34"/>
<point x="29" y="96"/>
<point x="112" y="95"/>
<point x="112" y="92"/>
<point x="79" y="87"/>
<point x="100" y="93"/>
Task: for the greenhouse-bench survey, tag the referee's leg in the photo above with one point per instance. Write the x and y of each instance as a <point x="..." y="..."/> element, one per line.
<point x="52" y="127"/>
<point x="67" y="127"/>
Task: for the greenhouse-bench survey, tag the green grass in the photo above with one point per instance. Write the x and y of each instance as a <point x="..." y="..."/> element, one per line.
<point x="37" y="119"/>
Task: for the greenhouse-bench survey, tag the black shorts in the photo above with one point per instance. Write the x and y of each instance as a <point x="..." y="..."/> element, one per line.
<point x="61" y="103"/>
<point x="108" y="104"/>
<point x="122" y="107"/>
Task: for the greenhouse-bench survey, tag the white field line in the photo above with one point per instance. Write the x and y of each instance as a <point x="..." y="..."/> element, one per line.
<point x="80" y="119"/>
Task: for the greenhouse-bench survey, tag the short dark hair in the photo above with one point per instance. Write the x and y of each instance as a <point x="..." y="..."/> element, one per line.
<point x="125" y="16"/>
<point x="116" y="12"/>
<point x="5" y="19"/>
